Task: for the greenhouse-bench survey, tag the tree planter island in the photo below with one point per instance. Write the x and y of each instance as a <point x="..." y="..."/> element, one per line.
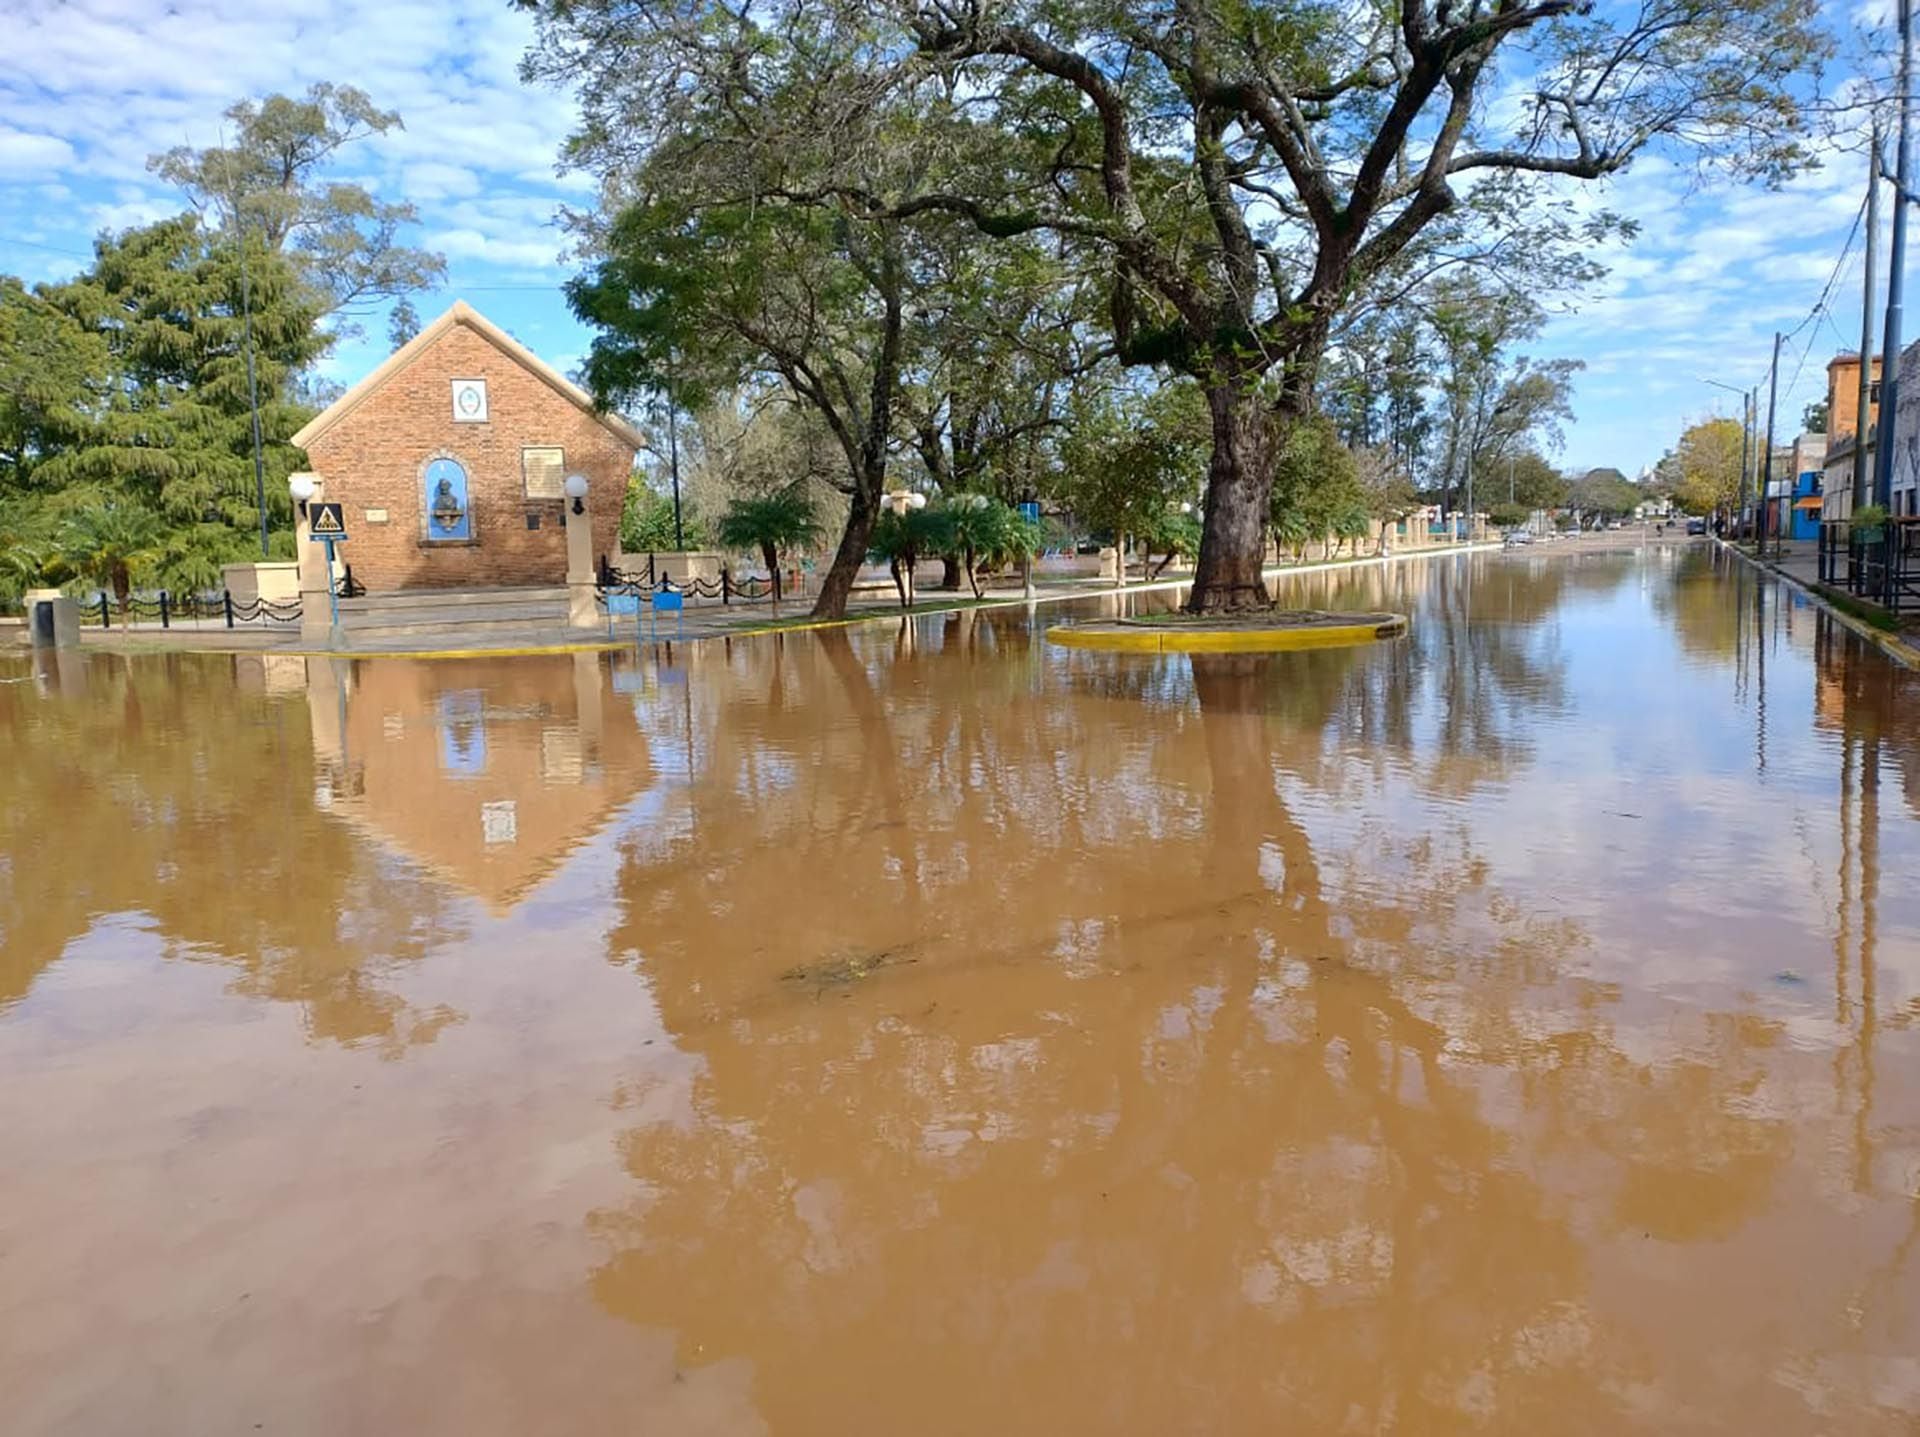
<point x="1273" y="632"/>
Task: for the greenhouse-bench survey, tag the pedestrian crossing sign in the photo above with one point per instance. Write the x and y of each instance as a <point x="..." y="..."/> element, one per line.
<point x="325" y="521"/>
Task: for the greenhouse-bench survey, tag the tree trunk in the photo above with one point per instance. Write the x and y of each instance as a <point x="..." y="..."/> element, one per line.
<point x="950" y="572"/>
<point x="863" y="509"/>
<point x="1226" y="577"/>
<point x="973" y="573"/>
<point x="123" y="591"/>
<point x="899" y="580"/>
<point x="772" y="556"/>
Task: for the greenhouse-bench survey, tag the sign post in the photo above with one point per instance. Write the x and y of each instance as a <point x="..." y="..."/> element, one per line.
<point x="326" y="523"/>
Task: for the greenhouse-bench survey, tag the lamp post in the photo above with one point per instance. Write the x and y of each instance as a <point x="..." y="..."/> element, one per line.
<point x="1745" y="401"/>
<point x="302" y="487"/>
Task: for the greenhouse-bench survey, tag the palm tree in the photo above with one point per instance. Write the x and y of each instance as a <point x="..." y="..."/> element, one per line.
<point x="786" y="519"/>
<point x="978" y="528"/>
<point x="900" y="539"/>
<point x="1351" y="525"/>
<point x="110" y="542"/>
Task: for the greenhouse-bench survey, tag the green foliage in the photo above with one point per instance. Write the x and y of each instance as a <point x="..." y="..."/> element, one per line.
<point x="53" y="375"/>
<point x="1606" y="492"/>
<point x="977" y="529"/>
<point x="341" y="241"/>
<point x="1869" y="518"/>
<point x="1506" y="515"/>
<point x="1316" y="486"/>
<point x="1134" y="456"/>
<point x="1708" y="459"/>
<point x="646" y="522"/>
<point x="771" y="523"/>
<point x="129" y="396"/>
<point x="114" y="543"/>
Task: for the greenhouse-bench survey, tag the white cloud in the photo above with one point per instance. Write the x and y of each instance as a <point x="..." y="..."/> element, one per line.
<point x="25" y="155"/>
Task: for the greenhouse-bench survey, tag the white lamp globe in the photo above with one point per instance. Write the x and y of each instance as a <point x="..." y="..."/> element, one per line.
<point x="917" y="500"/>
<point x="302" y="487"/>
<point x="575" y="486"/>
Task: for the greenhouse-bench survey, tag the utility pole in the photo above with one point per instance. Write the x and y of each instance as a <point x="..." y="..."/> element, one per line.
<point x="1866" y="331"/>
<point x="673" y="463"/>
<point x="673" y="454"/>
<point x="1746" y="455"/>
<point x="1896" y="276"/>
<point x="1766" y="463"/>
<point x="246" y="319"/>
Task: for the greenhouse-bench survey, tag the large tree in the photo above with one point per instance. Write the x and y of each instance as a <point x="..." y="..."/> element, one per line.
<point x="1708" y="459"/>
<point x="1245" y="169"/>
<point x="143" y="408"/>
<point x="270" y="172"/>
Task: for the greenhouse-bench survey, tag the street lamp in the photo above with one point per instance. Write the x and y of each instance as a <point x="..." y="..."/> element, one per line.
<point x="575" y="487"/>
<point x="1746" y="408"/>
<point x="302" y="487"/>
<point x="901" y="500"/>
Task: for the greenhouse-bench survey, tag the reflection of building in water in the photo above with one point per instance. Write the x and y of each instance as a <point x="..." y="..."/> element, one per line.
<point x="486" y="773"/>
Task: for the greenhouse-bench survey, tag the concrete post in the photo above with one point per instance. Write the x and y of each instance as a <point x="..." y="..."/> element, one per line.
<point x="582" y="611"/>
<point x="316" y="604"/>
<point x="53" y="620"/>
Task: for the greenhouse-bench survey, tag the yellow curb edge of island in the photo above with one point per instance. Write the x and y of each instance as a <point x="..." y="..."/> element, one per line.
<point x="1895" y="648"/>
<point x="1263" y="641"/>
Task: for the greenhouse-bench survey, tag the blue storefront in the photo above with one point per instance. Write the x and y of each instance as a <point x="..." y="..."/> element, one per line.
<point x="1806" y="505"/>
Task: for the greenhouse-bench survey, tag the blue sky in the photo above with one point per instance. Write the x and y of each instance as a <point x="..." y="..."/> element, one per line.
<point x="89" y="88"/>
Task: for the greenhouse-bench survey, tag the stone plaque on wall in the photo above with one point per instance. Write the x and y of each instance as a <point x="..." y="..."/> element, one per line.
<point x="470" y="401"/>
<point x="545" y="471"/>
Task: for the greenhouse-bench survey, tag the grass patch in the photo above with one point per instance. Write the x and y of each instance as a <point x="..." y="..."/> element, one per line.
<point x="1858" y="608"/>
<point x="872" y="615"/>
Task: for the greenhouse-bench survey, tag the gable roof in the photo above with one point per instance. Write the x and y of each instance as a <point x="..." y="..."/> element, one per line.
<point x="463" y="313"/>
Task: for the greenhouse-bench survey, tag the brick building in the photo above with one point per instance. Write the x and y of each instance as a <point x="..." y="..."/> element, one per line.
<point x="450" y="456"/>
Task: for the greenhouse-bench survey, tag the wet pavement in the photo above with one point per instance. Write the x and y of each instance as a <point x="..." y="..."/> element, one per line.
<point x="1511" y="1028"/>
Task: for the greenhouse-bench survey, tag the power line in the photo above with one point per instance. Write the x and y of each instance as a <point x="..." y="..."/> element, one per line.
<point x="1826" y="293"/>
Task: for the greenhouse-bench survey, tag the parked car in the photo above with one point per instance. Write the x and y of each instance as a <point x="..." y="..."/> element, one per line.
<point x="1696" y="526"/>
<point x="1519" y="538"/>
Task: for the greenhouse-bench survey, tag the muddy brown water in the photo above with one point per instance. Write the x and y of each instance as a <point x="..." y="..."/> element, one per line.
<point x="917" y="1029"/>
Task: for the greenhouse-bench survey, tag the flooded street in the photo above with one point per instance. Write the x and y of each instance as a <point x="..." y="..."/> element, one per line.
<point x="919" y="1029"/>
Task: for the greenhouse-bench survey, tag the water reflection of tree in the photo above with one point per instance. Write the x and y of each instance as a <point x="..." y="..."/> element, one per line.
<point x="1118" y="1134"/>
<point x="1705" y="602"/>
<point x="164" y="789"/>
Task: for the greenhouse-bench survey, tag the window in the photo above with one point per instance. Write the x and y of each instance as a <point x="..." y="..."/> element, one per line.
<point x="544" y="471"/>
<point x="1873" y="392"/>
<point x="470" y="401"/>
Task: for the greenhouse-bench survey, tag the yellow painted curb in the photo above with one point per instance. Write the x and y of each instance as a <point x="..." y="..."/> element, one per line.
<point x="1231" y="641"/>
<point x="1895" y="648"/>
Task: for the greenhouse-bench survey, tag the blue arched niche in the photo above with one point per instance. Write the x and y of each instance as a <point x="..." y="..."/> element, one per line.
<point x="444" y="496"/>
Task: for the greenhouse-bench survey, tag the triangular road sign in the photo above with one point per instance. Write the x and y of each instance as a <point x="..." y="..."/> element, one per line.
<point x="325" y="521"/>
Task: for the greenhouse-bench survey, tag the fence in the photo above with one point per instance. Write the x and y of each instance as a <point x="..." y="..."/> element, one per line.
<point x="171" y="609"/>
<point x="1882" y="565"/>
<point x="644" y="584"/>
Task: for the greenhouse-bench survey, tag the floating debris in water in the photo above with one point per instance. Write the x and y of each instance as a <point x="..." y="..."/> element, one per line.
<point x="1787" y="975"/>
<point x="839" y="972"/>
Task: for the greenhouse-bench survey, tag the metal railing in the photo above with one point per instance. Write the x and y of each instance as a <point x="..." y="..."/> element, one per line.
<point x="1881" y="565"/>
<point x="644" y="584"/>
<point x="171" y="609"/>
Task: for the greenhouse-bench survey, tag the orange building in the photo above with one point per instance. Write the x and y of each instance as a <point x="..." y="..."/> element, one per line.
<point x="1843" y="396"/>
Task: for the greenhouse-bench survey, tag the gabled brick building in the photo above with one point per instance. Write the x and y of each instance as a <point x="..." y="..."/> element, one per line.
<point x="450" y="456"/>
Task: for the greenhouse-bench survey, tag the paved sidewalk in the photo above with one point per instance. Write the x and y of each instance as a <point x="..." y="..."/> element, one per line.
<point x="702" y="621"/>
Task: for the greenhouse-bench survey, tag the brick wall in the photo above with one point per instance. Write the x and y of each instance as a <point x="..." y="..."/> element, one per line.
<point x="375" y="456"/>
